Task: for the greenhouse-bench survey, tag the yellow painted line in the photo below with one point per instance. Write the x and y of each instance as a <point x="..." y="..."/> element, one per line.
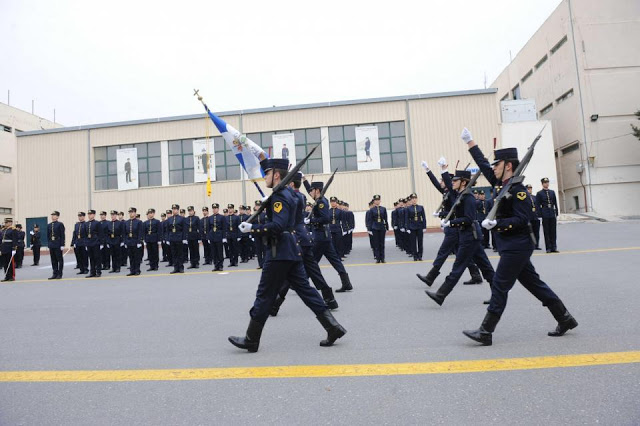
<point x="208" y="272"/>
<point x="305" y="371"/>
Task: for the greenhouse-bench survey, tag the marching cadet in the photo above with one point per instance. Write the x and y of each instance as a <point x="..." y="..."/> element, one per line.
<point x="20" y="247"/>
<point x="115" y="241"/>
<point x="8" y="246"/>
<point x="124" y="254"/>
<point x="547" y="203"/>
<point x="56" y="236"/>
<point x="35" y="243"/>
<point x="484" y="206"/>
<point x="378" y="227"/>
<point x="283" y="261"/>
<point x="133" y="237"/>
<point x="416" y="222"/>
<point x="105" y="252"/>
<point x="469" y="245"/>
<point x="258" y="243"/>
<point x="95" y="242"/>
<point x="192" y="223"/>
<point x="217" y="238"/>
<point x="165" y="233"/>
<point x="335" y="226"/>
<point x="152" y="234"/>
<point x="394" y="223"/>
<point x="322" y="245"/>
<point x="79" y="244"/>
<point x="244" y="238"/>
<point x="232" y="234"/>
<point x="535" y="220"/>
<point x="304" y="241"/>
<point x="204" y="235"/>
<point x="350" y="221"/>
<point x="515" y="247"/>
<point x="177" y="239"/>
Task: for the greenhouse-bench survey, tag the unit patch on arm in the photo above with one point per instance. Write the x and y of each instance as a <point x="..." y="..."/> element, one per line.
<point x="277" y="207"/>
<point x="521" y="196"/>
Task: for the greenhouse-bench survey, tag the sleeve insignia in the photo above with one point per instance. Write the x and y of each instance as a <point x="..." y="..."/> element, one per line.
<point x="521" y="196"/>
<point x="321" y="205"/>
<point x="277" y="207"/>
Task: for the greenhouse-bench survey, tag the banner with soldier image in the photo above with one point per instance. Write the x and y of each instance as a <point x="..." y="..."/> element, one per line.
<point x="204" y="164"/>
<point x="127" y="163"/>
<point x="367" y="148"/>
<point x="284" y="146"/>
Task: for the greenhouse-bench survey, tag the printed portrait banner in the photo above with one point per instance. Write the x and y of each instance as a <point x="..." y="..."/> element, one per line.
<point x="127" y="163"/>
<point x="367" y="148"/>
<point x="284" y="146"/>
<point x="203" y="162"/>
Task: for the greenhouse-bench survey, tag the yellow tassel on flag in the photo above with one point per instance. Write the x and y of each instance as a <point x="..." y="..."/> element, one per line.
<point x="208" y="186"/>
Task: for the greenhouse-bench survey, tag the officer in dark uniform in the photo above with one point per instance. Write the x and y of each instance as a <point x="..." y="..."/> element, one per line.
<point x="515" y="246"/>
<point x="378" y="226"/>
<point x="165" y="233"/>
<point x="367" y="221"/>
<point x="244" y="238"/>
<point x="232" y="234"/>
<point x="192" y="222"/>
<point x="185" y="242"/>
<point x="152" y="234"/>
<point x="416" y="223"/>
<point x="95" y="242"/>
<point x="204" y="235"/>
<point x="283" y="261"/>
<point x="56" y="236"/>
<point x="35" y="243"/>
<point x="217" y="238"/>
<point x="469" y="239"/>
<point x="484" y="207"/>
<point x="335" y="226"/>
<point x="535" y="217"/>
<point x="547" y="203"/>
<point x="258" y="243"/>
<point x="163" y="244"/>
<point x="79" y="244"/>
<point x="394" y="223"/>
<point x="8" y="246"/>
<point x="402" y="226"/>
<point x="20" y="247"/>
<point x="115" y="241"/>
<point x="311" y="267"/>
<point x="350" y="220"/>
<point x="133" y="238"/>
<point x="177" y="238"/>
<point x="322" y="245"/>
<point x="105" y="252"/>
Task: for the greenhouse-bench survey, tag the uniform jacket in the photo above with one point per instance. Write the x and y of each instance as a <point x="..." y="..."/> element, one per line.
<point x="79" y="236"/>
<point x="217" y="227"/>
<point x="415" y="217"/>
<point x="336" y="219"/>
<point x="231" y="227"/>
<point x="55" y="234"/>
<point x="176" y="229"/>
<point x="152" y="230"/>
<point x="377" y="219"/>
<point x="9" y="240"/>
<point x="114" y="233"/>
<point x="21" y="236"/>
<point x="133" y="232"/>
<point x="547" y="204"/>
<point x="35" y="239"/>
<point x="93" y="231"/>
<point x="192" y="223"/>
<point x="304" y="239"/>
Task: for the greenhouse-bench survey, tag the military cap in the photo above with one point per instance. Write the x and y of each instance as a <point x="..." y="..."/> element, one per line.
<point x="230" y="206"/>
<point x="168" y="211"/>
<point x="395" y="203"/>
<point x="8" y="220"/>
<point x="462" y="174"/>
<point x="163" y="215"/>
<point x="182" y="211"/>
<point x="215" y="206"/>
<point x="91" y="211"/>
<point x="81" y="214"/>
<point x="258" y="203"/>
<point x="114" y="212"/>
<point x="225" y="211"/>
<point x="103" y="213"/>
<point x="414" y="195"/>
<point x="55" y="213"/>
<point x="175" y="206"/>
<point x="298" y="176"/>
<point x="317" y="185"/>
<point x="36" y="226"/>
<point x="132" y="209"/>
<point x="274" y="163"/>
<point x="346" y="204"/>
<point x="376" y="197"/>
<point x="544" y="180"/>
<point x="122" y="213"/>
<point x="151" y="211"/>
<point x="190" y="208"/>
<point x="529" y="186"/>
<point x="137" y="215"/>
<point x="400" y="200"/>
<point x="205" y="209"/>
<point x="504" y="154"/>
<point x="475" y="191"/>
<point x="333" y="199"/>
<point x="19" y="226"/>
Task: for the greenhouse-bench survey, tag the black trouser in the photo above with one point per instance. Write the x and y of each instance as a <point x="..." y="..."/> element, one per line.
<point x="244" y="248"/>
<point x="217" y="253"/>
<point x="83" y="261"/>
<point x="123" y="255"/>
<point x="416" y="239"/>
<point x="185" y="252"/>
<point x="115" y="251"/>
<point x="549" y="228"/>
<point x="233" y="250"/>
<point x="104" y="255"/>
<point x="348" y="242"/>
<point x="176" y="255"/>
<point x="57" y="263"/>
<point x="535" y="225"/>
<point x="378" y="243"/>
<point x="336" y="238"/>
<point x="207" y="251"/>
<point x="194" y="252"/>
<point x="325" y="248"/>
<point x="134" y="258"/>
<point x="485" y="238"/>
<point x="153" y="255"/>
<point x="259" y="247"/>
<point x="165" y="252"/>
<point x="8" y="266"/>
<point x="273" y="274"/>
<point x="93" y="252"/>
<point x="19" y="257"/>
<point x="36" y="254"/>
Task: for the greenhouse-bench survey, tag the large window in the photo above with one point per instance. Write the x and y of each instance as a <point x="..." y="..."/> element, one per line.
<point x="393" y="146"/>
<point x="5" y="169"/>
<point x="149" y="165"/>
<point x="5" y="210"/>
<point x="305" y="140"/>
<point x="180" y="161"/>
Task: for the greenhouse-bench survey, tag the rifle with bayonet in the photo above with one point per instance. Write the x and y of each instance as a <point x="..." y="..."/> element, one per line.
<point x="467" y="190"/>
<point x="436" y="213"/>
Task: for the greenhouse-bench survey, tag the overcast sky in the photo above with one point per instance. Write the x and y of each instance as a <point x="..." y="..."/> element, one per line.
<point x="97" y="62"/>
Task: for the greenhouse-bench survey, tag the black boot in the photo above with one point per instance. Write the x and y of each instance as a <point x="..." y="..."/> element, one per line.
<point x="329" y="299"/>
<point x="483" y="334"/>
<point x="252" y="339"/>
<point x="475" y="279"/>
<point x="334" y="330"/>
<point x="275" y="308"/>
<point x="442" y="292"/>
<point x="346" y="283"/>
<point x="566" y="321"/>
<point x="430" y="277"/>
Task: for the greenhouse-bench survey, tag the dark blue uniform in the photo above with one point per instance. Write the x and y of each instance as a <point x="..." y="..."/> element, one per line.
<point x="8" y="244"/>
<point x="258" y="243"/>
<point x="104" y="251"/>
<point x="152" y="236"/>
<point x="35" y="243"/>
<point x="416" y="223"/>
<point x="165" y="238"/>
<point x="204" y="236"/>
<point x="232" y="234"/>
<point x="177" y="233"/>
<point x="80" y="247"/>
<point x="56" y="237"/>
<point x="377" y="224"/>
<point x="350" y="221"/>
<point x="484" y="207"/>
<point x="245" y="241"/>
<point x="193" y="240"/>
<point x="547" y="203"/>
<point x="336" y="227"/>
<point x="133" y="237"/>
<point x="115" y="243"/>
<point x="19" y="257"/>
<point x="217" y="230"/>
<point x="94" y="238"/>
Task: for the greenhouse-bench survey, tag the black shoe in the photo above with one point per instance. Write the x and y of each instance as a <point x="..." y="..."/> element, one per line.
<point x="435" y="296"/>
<point x="346" y="283"/>
<point x="555" y="251"/>
<point x="52" y="277"/>
<point x="91" y="276"/>
<point x="251" y="341"/>
<point x="329" y="298"/>
<point x="566" y="321"/>
<point x="152" y="269"/>
<point x="333" y="328"/>
<point x="275" y="308"/>
<point x="137" y="273"/>
<point x="473" y="280"/>
<point x="80" y="273"/>
<point x="484" y="333"/>
<point x="377" y="260"/>
<point x="7" y="279"/>
<point x="130" y="274"/>
<point x="538" y="248"/>
<point x="430" y="277"/>
<point x="191" y="267"/>
<point x="486" y="302"/>
<point x="383" y="261"/>
<point x="548" y="251"/>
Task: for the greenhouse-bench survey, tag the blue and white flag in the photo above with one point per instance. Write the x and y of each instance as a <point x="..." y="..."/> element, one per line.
<point x="248" y="153"/>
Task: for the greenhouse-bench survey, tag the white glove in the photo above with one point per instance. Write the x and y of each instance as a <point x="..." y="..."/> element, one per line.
<point x="395" y="227"/>
<point x="101" y="246"/>
<point x="344" y="233"/>
<point x="351" y="231"/>
<point x="306" y="220"/>
<point x="13" y="252"/>
<point x="30" y="232"/>
<point x="238" y="239"/>
<point x="442" y="162"/>
<point x="245" y="227"/>
<point x="369" y="232"/>
<point x="108" y="246"/>
<point x="121" y="245"/>
<point x="408" y="231"/>
<point x="74" y="246"/>
<point x="435" y="214"/>
<point x="184" y="242"/>
<point x="138" y="245"/>
<point x="425" y="166"/>
<point x="224" y="240"/>
<point x="263" y="199"/>
<point x="401" y="229"/>
<point x="301" y="175"/>
<point x="489" y="224"/>
<point x="445" y="223"/>
<point x="466" y="135"/>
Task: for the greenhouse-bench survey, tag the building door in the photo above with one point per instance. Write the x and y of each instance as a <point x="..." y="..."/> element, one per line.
<point x="42" y="223"/>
